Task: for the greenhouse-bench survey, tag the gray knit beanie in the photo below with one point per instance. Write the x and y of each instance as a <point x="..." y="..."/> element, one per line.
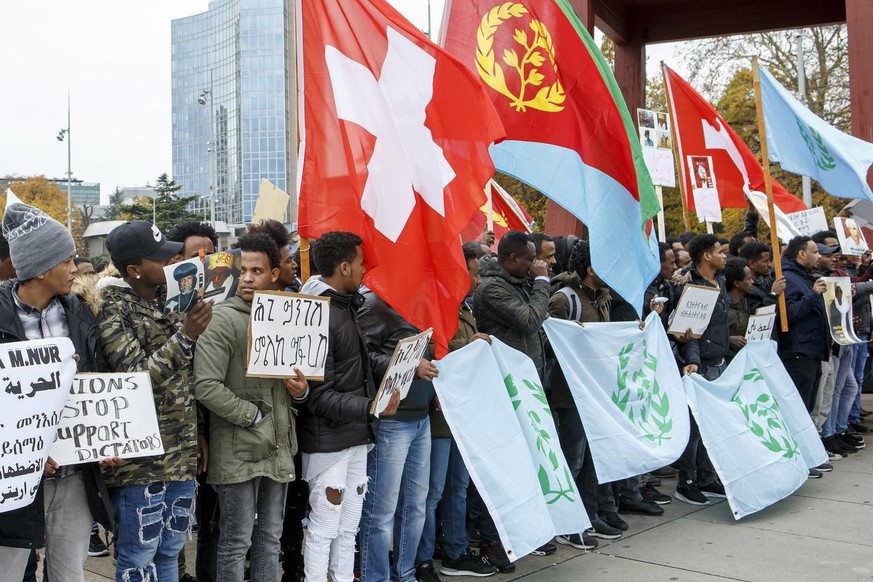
<point x="37" y="242"/>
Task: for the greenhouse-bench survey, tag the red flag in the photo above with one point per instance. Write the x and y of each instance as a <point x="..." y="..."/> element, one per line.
<point x="702" y="132"/>
<point x="506" y="215"/>
<point x="394" y="147"/>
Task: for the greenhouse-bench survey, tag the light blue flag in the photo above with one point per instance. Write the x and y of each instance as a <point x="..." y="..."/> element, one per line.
<point x="627" y="389"/>
<point x="805" y="144"/>
<point x="492" y="414"/>
<point x="756" y="429"/>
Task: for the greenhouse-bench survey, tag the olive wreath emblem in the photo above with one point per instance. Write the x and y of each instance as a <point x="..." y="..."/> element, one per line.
<point x="527" y="66"/>
<point x="652" y="415"/>
<point x="816" y="146"/>
<point x="763" y="419"/>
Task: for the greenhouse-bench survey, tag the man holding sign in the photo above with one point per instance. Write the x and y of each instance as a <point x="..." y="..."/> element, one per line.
<point x="399" y="466"/>
<point x="335" y="425"/>
<point x="706" y="356"/>
<point x="38" y="306"/>
<point x="252" y="437"/>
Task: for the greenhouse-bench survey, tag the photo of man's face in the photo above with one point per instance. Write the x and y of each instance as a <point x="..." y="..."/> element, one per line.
<point x="186" y="284"/>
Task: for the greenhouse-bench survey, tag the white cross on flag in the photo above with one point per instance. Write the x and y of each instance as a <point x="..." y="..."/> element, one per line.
<point x="394" y="147"/>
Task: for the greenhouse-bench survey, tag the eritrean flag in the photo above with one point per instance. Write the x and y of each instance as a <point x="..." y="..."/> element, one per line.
<point x="568" y="130"/>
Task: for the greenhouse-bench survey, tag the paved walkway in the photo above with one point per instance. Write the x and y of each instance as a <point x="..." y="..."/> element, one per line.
<point x="819" y="533"/>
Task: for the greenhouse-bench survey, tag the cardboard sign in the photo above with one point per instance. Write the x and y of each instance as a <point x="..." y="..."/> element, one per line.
<point x="852" y="242"/>
<point x="272" y="203"/>
<point x="401" y="370"/>
<point x="35" y="380"/>
<point x="213" y="278"/>
<point x="838" y="305"/>
<point x="288" y="331"/>
<point x="809" y="221"/>
<point x="760" y="327"/>
<point x="108" y="415"/>
<point x="694" y="310"/>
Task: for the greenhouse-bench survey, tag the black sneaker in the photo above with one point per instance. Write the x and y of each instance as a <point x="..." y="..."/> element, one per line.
<point x="714" y="489"/>
<point x="580" y="542"/>
<point x="547" y="549"/>
<point x="426" y="573"/>
<point x="467" y="565"/>
<point x="641" y="507"/>
<point x="613" y="520"/>
<point x="814" y="474"/>
<point x="825" y="468"/>
<point x="601" y="529"/>
<point x="651" y="494"/>
<point x="689" y="493"/>
<point x="97" y="547"/>
<point x="496" y="556"/>
<point x="831" y="445"/>
<point x="852" y="441"/>
<point x="859" y="428"/>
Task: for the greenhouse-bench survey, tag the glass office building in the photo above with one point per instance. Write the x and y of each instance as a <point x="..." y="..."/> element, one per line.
<point x="230" y="88"/>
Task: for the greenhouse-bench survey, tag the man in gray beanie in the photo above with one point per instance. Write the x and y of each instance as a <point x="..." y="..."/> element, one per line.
<point x="38" y="305"/>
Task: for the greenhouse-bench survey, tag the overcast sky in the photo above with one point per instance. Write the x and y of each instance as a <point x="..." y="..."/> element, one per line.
<point x="114" y="57"/>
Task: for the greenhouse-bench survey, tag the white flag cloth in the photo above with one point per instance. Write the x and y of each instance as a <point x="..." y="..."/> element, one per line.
<point x="627" y="388"/>
<point x="756" y="429"/>
<point x="496" y="408"/>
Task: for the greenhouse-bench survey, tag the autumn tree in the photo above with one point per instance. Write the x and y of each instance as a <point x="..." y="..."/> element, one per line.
<point x="38" y="191"/>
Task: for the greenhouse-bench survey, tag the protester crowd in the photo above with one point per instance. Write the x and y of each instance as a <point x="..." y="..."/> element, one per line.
<point x="254" y="461"/>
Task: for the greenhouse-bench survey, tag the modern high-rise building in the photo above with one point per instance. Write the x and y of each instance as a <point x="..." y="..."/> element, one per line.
<point x="231" y="92"/>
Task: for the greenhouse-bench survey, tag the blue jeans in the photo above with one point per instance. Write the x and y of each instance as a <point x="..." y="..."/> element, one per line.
<point x="152" y="522"/>
<point x="399" y="473"/>
<point x="845" y="388"/>
<point x="574" y="445"/>
<point x="861" y="354"/>
<point x="448" y="482"/>
<point x="238" y="504"/>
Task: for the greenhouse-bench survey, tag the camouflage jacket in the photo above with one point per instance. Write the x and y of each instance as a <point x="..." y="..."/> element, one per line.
<point x="137" y="337"/>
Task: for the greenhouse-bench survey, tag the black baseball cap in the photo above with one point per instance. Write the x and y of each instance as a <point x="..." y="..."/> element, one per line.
<point x="136" y="240"/>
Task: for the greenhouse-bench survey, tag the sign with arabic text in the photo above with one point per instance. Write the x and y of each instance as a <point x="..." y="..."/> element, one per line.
<point x="35" y="378"/>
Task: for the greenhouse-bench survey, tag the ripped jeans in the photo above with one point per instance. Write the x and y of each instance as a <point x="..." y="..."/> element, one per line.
<point x="330" y="535"/>
<point x="152" y="522"/>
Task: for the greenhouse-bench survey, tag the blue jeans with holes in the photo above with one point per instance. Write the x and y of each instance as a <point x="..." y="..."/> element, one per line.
<point x="152" y="522"/>
<point x="448" y="482"/>
<point x="399" y="473"/>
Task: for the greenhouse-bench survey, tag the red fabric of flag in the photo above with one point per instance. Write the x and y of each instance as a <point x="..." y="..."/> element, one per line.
<point x="702" y="132"/>
<point x="394" y="147"/>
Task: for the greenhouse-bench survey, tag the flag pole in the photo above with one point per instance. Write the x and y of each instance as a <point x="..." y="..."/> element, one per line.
<point x="672" y="115"/>
<point x="489" y="206"/>
<point x="304" y="241"/>
<point x="768" y="186"/>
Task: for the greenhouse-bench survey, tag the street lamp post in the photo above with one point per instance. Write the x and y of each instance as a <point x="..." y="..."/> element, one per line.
<point x="64" y="134"/>
<point x="203" y="99"/>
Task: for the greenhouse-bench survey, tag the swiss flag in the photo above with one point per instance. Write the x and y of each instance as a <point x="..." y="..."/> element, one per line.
<point x="394" y="147"/>
<point x="506" y="215"/>
<point x="701" y="132"/>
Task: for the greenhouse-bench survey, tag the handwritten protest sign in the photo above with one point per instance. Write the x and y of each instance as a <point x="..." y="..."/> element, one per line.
<point x="661" y="166"/>
<point x="760" y="327"/>
<point x="694" y="310"/>
<point x="288" y="331"/>
<point x="108" y="415"/>
<point x="401" y="370"/>
<point x="809" y="221"/>
<point x="35" y="379"/>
